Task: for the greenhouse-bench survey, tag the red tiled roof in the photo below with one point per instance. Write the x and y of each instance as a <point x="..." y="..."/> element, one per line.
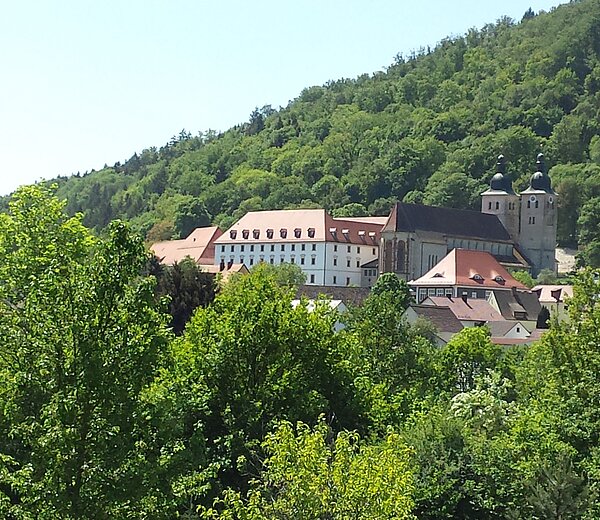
<point x="301" y="225"/>
<point x="199" y="245"/>
<point x="467" y="268"/>
<point x="474" y="309"/>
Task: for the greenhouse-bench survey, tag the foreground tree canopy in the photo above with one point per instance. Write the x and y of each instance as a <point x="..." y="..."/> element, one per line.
<point x="260" y="410"/>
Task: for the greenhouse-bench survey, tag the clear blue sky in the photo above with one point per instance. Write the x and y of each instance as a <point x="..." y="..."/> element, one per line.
<point x="84" y="83"/>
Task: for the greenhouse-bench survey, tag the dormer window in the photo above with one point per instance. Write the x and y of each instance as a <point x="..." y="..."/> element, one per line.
<point x="269" y="233"/>
<point x="499" y="279"/>
<point x="311" y="232"/>
<point x="437" y="275"/>
<point x="283" y="233"/>
<point x="297" y="232"/>
<point x="245" y="233"/>
<point x="256" y="233"/>
<point x="477" y="277"/>
<point x="233" y="234"/>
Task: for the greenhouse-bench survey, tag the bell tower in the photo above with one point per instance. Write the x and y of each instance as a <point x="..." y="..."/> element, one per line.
<point x="537" y="235"/>
<point x="501" y="200"/>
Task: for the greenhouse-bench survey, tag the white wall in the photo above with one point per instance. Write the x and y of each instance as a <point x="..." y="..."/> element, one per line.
<point x="323" y="263"/>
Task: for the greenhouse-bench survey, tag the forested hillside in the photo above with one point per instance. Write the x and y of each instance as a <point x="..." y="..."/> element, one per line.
<point x="427" y="129"/>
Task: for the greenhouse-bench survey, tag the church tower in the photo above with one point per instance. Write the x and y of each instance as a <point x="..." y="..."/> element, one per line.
<point x="501" y="200"/>
<point x="537" y="236"/>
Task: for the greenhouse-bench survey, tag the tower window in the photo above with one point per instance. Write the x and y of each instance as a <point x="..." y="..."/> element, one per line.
<point x="537" y="203"/>
<point x="497" y="205"/>
<point x="490" y="204"/>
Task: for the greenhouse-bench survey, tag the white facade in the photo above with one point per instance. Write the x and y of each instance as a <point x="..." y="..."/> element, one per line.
<point x="323" y="263"/>
<point x="330" y="252"/>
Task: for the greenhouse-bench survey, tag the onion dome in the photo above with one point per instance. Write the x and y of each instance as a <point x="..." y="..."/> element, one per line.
<point x="500" y="181"/>
<point x="540" y="181"/>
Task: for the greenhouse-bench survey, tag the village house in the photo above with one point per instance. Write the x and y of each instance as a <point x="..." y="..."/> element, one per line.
<point x="465" y="273"/>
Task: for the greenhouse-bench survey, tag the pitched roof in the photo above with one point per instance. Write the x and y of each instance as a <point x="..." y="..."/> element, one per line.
<point x="553" y="293"/>
<point x="442" y="318"/>
<point x="448" y="221"/>
<point x="501" y="328"/>
<point x="473" y="309"/>
<point x="302" y="225"/>
<point x="349" y="295"/>
<point x="520" y="302"/>
<point x="467" y="268"/>
<point x="199" y="245"/>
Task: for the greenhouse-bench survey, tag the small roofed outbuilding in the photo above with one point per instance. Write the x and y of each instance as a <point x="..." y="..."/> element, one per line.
<point x="442" y="318"/>
<point x="199" y="246"/>
<point x="464" y="272"/>
<point x="224" y="270"/>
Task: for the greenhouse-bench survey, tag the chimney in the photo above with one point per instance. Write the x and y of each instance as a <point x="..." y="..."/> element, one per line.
<point x="222" y="265"/>
<point x="464" y="298"/>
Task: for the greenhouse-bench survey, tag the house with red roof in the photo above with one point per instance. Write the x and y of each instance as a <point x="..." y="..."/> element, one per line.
<point x="465" y="273"/>
<point x="330" y="251"/>
<point x="199" y="246"/>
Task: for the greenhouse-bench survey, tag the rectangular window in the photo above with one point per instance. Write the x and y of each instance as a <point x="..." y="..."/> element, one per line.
<point x="439" y="292"/>
<point x="252" y="261"/>
<point x="303" y="247"/>
<point x="430" y="292"/>
<point x="348" y="263"/>
<point x="293" y="260"/>
<point x="473" y="294"/>
<point x="334" y="261"/>
<point x="335" y="247"/>
<point x="334" y="280"/>
<point x="222" y="249"/>
<point x="349" y="249"/>
<point x="358" y="249"/>
<point x="262" y="248"/>
<point x="301" y="260"/>
<point x="347" y="280"/>
<point x="252" y="247"/>
<point x="312" y="278"/>
<point x="313" y="260"/>
<point x="242" y="247"/>
<point x="293" y="246"/>
<point x="272" y="247"/>
<point x="271" y="260"/>
<point x="358" y="263"/>
<point x="283" y="247"/>
<point x="314" y="247"/>
<point x="232" y="249"/>
<point x="374" y="251"/>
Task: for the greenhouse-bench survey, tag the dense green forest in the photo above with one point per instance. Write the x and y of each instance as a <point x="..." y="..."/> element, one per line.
<point x="427" y="129"/>
<point x="260" y="411"/>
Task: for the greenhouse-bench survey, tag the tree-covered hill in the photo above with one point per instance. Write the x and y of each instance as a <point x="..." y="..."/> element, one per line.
<point x="428" y="129"/>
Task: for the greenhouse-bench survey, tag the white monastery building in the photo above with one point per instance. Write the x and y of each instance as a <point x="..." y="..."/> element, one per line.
<point x="330" y="251"/>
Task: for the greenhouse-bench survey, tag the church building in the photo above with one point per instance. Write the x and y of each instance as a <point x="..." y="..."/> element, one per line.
<point x="518" y="230"/>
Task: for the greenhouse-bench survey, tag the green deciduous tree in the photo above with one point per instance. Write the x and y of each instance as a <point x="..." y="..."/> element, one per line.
<point x="80" y="341"/>
<point x="310" y="475"/>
